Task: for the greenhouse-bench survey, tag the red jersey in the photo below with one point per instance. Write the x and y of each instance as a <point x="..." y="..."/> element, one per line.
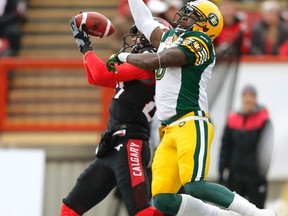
<point x="133" y="101"/>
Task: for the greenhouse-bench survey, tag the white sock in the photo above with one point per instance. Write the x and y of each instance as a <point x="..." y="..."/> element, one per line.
<point x="243" y="207"/>
<point x="228" y="213"/>
<point x="196" y="207"/>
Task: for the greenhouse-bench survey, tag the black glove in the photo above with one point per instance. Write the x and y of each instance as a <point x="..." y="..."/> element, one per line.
<point x="82" y="38"/>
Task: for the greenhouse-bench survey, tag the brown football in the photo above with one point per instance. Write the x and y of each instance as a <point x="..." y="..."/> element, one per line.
<point x="97" y="24"/>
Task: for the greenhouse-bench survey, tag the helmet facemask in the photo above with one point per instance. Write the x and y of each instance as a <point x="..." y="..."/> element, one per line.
<point x="134" y="41"/>
<point x="189" y="11"/>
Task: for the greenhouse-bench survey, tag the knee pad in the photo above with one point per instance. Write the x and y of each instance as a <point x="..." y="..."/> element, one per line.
<point x="150" y="211"/>
<point x="67" y="211"/>
<point x="167" y="203"/>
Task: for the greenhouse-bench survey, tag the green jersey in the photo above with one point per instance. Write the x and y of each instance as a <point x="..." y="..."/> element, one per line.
<point x="180" y="90"/>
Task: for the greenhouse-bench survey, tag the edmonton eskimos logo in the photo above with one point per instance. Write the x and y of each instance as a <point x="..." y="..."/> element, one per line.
<point x="213" y="19"/>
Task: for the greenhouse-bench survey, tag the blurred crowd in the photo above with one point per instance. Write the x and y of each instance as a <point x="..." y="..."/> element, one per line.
<point x="12" y="15"/>
<point x="256" y="32"/>
<point x="259" y="31"/>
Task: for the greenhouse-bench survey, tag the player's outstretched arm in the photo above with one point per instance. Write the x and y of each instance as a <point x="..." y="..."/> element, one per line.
<point x="172" y="57"/>
<point x="144" y="21"/>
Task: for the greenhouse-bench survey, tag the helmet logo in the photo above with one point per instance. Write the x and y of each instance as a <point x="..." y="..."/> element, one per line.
<point x="213" y="19"/>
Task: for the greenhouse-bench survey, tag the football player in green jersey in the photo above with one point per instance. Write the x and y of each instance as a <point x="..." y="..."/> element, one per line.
<point x="183" y="67"/>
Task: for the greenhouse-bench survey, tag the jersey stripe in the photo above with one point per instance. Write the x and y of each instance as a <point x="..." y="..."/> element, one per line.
<point x="83" y="21"/>
<point x="197" y="151"/>
<point x="107" y="28"/>
<point x="201" y="158"/>
<point x="204" y="171"/>
<point x="206" y="75"/>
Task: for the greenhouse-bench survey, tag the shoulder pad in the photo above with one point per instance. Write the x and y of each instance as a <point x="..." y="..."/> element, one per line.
<point x="199" y="44"/>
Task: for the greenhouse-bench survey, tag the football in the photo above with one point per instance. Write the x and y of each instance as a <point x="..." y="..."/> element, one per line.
<point x="97" y="24"/>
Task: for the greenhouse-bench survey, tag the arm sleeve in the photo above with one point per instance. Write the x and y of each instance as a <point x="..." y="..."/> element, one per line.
<point x="197" y="49"/>
<point x="98" y="74"/>
<point x="143" y="17"/>
<point x="96" y="71"/>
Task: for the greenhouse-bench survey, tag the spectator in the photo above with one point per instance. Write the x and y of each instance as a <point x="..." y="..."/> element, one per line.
<point x="122" y="23"/>
<point x="165" y="9"/>
<point x="245" y="135"/>
<point x="271" y="32"/>
<point x="284" y="15"/>
<point x="283" y="50"/>
<point x="158" y="7"/>
<point x="12" y="13"/>
<point x="234" y="38"/>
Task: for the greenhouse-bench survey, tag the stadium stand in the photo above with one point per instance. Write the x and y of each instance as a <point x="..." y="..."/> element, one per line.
<point x="47" y="32"/>
<point x="59" y="98"/>
<point x="45" y="100"/>
<point x="49" y="95"/>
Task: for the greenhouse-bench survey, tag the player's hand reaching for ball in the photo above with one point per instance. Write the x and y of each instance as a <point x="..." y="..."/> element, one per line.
<point x="112" y="61"/>
<point x="82" y="38"/>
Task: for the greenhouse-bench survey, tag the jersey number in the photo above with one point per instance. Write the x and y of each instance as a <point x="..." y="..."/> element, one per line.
<point x="160" y="73"/>
<point x="149" y="110"/>
<point x="120" y="85"/>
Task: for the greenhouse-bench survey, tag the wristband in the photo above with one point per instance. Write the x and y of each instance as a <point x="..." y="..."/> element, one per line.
<point x="123" y="56"/>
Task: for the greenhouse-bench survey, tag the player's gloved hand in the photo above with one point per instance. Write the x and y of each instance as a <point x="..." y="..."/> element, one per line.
<point x="112" y="61"/>
<point x="82" y="38"/>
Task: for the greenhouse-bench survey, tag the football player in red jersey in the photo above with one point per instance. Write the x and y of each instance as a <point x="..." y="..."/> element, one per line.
<point x="123" y="153"/>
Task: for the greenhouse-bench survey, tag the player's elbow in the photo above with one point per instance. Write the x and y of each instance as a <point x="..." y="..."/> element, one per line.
<point x="91" y="81"/>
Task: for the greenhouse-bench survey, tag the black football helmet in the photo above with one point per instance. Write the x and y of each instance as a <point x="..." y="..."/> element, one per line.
<point x="136" y="42"/>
